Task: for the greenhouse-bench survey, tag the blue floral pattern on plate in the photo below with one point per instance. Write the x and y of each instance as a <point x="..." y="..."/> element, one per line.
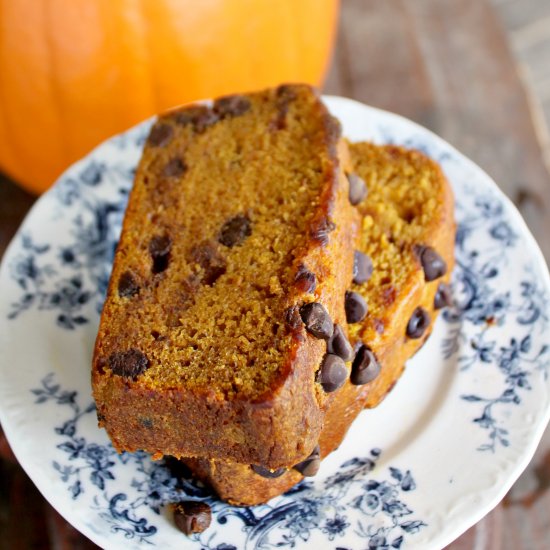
<point x="493" y="341"/>
<point x="290" y="519"/>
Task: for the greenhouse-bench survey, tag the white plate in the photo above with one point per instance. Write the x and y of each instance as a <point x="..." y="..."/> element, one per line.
<point x="416" y="472"/>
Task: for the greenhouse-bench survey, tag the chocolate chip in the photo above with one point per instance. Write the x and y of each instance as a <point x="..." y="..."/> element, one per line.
<point x="310" y="466"/>
<point x="418" y="323"/>
<point x="365" y="367"/>
<point x="433" y="264"/>
<point x="206" y="119"/>
<point x="159" y="248"/>
<point x="233" y="105"/>
<point x="235" y="231"/>
<point x="286" y="91"/>
<point x="362" y="267"/>
<point x="160" y="245"/>
<point x="189" y="115"/>
<point x="333" y="373"/>
<point x="174" y="168"/>
<point x="317" y="320"/>
<point x="200" y="117"/>
<point x="339" y="345"/>
<point x="305" y="280"/>
<point x="443" y="296"/>
<point x="266" y="472"/>
<point x="129" y="364"/>
<point x="191" y="516"/>
<point x="321" y="231"/>
<point x="356" y="307"/>
<point x="213" y="273"/>
<point x="285" y="96"/>
<point x="160" y="135"/>
<point x="146" y="423"/>
<point x="357" y="189"/>
<point x="293" y="318"/>
<point x="127" y="285"/>
<point x="212" y="263"/>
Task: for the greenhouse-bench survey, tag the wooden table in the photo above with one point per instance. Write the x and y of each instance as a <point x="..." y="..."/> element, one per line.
<point x="447" y="65"/>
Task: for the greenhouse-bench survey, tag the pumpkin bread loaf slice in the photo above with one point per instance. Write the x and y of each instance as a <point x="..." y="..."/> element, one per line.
<point x="403" y="263"/>
<point x="408" y="225"/>
<point x="236" y="250"/>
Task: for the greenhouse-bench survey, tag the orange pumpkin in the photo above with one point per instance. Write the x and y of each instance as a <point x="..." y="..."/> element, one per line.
<point x="73" y="73"/>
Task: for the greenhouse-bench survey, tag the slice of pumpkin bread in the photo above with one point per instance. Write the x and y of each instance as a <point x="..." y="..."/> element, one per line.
<point x="404" y="258"/>
<point x="408" y="230"/>
<point x="235" y="253"/>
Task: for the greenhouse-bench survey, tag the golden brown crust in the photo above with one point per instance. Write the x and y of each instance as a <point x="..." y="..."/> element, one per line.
<point x="275" y="421"/>
<point x="238" y="483"/>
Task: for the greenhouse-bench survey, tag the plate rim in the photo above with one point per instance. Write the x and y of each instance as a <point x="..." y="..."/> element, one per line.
<point x="543" y="273"/>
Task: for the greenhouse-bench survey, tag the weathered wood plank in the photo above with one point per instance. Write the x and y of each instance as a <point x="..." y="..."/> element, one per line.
<point x="374" y="56"/>
<point x="516" y="14"/>
<point x="63" y="536"/>
<point x="26" y="519"/>
<point x="22" y="521"/>
<point x="528" y="26"/>
<point x="448" y="66"/>
<point x="14" y="204"/>
<point x="5" y="450"/>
